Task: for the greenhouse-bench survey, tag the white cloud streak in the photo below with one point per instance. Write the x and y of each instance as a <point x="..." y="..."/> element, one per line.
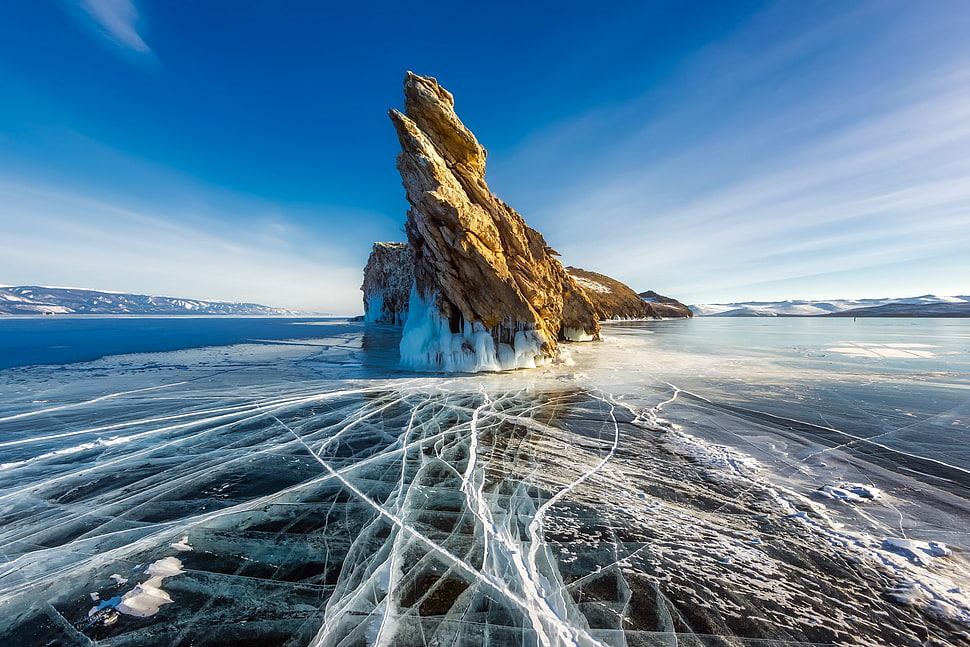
<point x="117" y="20"/>
<point x="52" y="237"/>
<point x="822" y="188"/>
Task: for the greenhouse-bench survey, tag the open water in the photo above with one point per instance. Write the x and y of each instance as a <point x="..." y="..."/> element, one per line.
<point x="170" y="481"/>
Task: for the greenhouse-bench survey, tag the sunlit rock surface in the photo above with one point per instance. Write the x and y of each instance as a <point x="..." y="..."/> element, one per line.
<point x="665" y="307"/>
<point x="615" y="300"/>
<point x="489" y="293"/>
<point x="388" y="277"/>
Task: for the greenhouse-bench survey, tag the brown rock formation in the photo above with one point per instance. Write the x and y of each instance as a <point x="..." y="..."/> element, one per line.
<point x="387" y="283"/>
<point x="610" y="298"/>
<point x="492" y="293"/>
<point x="666" y="307"/>
<point x="615" y="300"/>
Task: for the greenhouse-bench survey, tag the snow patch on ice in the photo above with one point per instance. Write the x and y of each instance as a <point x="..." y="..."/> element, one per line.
<point x="918" y="552"/>
<point x="565" y="358"/>
<point x="143" y="601"/>
<point x="918" y="569"/>
<point x="853" y="492"/>
<point x="723" y="463"/>
<point x="147" y="598"/>
<point x="182" y="545"/>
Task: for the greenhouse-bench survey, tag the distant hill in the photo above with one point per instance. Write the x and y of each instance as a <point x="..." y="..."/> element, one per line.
<point x="943" y="309"/>
<point x="665" y="306"/>
<point x="615" y="300"/>
<point x="928" y="305"/>
<point x="33" y="300"/>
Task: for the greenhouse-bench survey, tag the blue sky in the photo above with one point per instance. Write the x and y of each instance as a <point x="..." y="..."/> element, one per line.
<point x="712" y="151"/>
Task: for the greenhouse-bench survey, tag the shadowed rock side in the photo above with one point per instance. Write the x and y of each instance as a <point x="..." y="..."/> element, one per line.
<point x="388" y="277"/>
<point x="488" y="292"/>
<point x="614" y="300"/>
<point x="665" y="306"/>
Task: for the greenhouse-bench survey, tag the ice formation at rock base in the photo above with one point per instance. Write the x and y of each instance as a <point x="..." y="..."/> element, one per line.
<point x="429" y="343"/>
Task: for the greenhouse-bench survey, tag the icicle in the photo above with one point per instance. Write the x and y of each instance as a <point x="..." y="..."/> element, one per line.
<point x="428" y="343"/>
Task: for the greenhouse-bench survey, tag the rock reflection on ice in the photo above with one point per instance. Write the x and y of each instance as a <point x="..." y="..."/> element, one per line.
<point x="565" y="506"/>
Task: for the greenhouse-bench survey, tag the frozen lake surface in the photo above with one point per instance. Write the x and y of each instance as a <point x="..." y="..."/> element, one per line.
<point x="282" y="482"/>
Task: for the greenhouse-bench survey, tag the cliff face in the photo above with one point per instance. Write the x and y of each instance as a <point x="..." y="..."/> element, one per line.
<point x="489" y="293"/>
<point x="387" y="283"/>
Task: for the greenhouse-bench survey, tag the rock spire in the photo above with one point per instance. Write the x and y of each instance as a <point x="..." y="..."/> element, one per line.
<point x="488" y="292"/>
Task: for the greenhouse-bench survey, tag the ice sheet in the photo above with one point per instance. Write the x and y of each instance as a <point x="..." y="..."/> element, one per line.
<point x="329" y="498"/>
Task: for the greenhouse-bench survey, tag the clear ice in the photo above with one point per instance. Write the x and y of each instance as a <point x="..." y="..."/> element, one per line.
<point x="310" y="493"/>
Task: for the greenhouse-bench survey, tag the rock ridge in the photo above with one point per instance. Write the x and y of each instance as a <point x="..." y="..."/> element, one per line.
<point x="665" y="307"/>
<point x="611" y="298"/>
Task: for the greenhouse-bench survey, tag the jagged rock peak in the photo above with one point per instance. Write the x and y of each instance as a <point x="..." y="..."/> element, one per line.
<point x="432" y="109"/>
<point x="489" y="293"/>
<point x="387" y="283"/>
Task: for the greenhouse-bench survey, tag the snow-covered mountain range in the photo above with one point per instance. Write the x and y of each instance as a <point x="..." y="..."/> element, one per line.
<point x="928" y="305"/>
<point x="33" y="300"/>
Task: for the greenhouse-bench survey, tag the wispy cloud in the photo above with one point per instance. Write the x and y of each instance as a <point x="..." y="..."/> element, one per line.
<point x="118" y="21"/>
<point x="826" y="161"/>
<point x="58" y="237"/>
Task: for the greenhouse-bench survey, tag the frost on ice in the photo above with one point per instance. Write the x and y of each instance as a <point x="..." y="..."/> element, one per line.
<point x="510" y="510"/>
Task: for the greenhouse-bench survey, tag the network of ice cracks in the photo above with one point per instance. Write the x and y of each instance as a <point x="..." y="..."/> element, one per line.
<point x="413" y="512"/>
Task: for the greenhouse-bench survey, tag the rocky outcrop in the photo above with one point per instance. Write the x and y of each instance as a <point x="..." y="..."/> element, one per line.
<point x="665" y="307"/>
<point x="615" y="300"/>
<point x="388" y="277"/>
<point x="488" y="293"/>
<point x="611" y="299"/>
